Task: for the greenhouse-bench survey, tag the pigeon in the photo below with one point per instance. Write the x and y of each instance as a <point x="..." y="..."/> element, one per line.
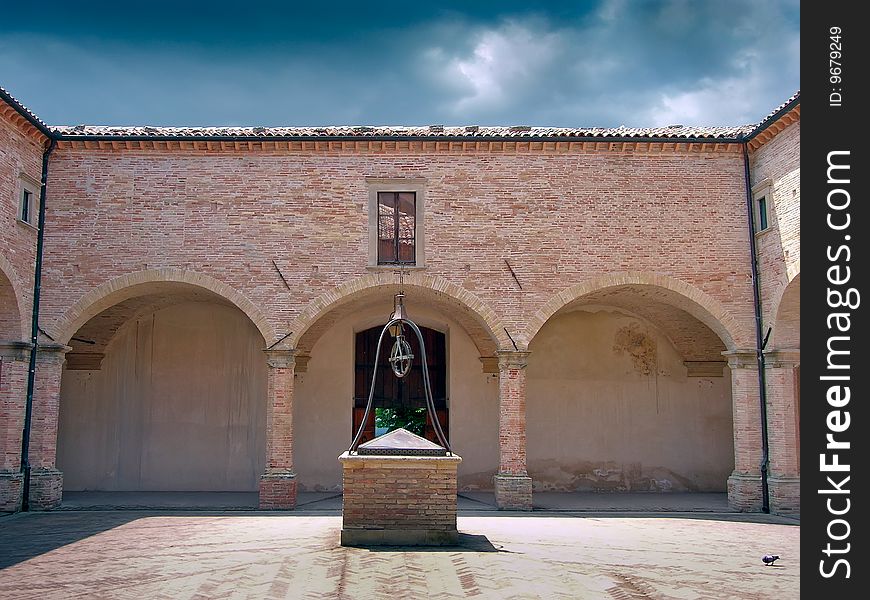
<point x="769" y="559"/>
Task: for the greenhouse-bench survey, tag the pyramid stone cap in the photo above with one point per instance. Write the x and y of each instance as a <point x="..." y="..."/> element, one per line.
<point x="401" y="442"/>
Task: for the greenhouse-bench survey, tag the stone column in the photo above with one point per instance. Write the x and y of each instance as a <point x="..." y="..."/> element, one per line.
<point x="278" y="483"/>
<point x="14" y="361"/>
<point x="513" y="486"/>
<point x="744" y="484"/>
<point x="783" y="393"/>
<point x="46" y="482"/>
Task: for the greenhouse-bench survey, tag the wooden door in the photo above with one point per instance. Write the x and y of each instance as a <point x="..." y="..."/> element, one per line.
<point x="392" y="392"/>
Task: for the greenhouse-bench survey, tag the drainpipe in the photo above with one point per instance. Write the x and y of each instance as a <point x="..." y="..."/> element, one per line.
<point x="34" y="332"/>
<point x="759" y="339"/>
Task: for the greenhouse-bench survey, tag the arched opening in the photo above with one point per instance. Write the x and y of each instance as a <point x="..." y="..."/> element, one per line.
<point x="333" y="370"/>
<point x="10" y="314"/>
<point x="164" y="390"/>
<point x="787" y="322"/>
<point x="399" y="402"/>
<point x="627" y="391"/>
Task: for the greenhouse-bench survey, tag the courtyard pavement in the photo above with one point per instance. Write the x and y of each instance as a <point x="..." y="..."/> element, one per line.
<point x="543" y="554"/>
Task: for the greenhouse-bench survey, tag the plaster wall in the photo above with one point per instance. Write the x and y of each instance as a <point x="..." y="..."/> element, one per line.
<point x="179" y="405"/>
<point x="610" y="408"/>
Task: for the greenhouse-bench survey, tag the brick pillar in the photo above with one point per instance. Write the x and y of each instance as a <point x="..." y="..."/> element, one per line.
<point x="783" y="417"/>
<point x="14" y="360"/>
<point x="46" y="482"/>
<point x="278" y="483"/>
<point x="744" y="484"/>
<point x="513" y="486"/>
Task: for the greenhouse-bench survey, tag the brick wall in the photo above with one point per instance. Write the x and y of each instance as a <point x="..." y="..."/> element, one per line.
<point x="559" y="219"/>
<point x="20" y="153"/>
<point x="779" y="247"/>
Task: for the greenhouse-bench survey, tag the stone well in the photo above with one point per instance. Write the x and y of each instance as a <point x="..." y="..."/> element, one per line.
<point x="399" y="490"/>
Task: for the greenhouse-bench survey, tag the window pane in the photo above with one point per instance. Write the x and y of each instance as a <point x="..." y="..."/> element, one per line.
<point x="762" y="213"/>
<point x="25" y="206"/>
<point x="386" y="227"/>
<point x="406" y="251"/>
<point x="407" y="217"/>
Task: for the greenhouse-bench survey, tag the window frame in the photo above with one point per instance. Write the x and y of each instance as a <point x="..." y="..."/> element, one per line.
<point x="28" y="185"/>
<point x="417" y="186"/>
<point x="762" y="191"/>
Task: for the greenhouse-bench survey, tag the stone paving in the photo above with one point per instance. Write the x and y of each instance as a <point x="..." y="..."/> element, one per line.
<point x="161" y="555"/>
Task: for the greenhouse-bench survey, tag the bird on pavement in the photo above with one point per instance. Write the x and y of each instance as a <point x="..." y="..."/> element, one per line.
<point x="769" y="559"/>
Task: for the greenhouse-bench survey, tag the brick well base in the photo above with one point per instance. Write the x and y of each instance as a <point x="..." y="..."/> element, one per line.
<point x="399" y="500"/>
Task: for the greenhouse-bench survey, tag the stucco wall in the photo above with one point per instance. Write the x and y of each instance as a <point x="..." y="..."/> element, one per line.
<point x="323" y="401"/>
<point x="610" y="407"/>
<point x="179" y="404"/>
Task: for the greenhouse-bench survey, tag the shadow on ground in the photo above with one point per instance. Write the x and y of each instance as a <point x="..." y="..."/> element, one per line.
<point x="26" y="535"/>
<point x="467" y="543"/>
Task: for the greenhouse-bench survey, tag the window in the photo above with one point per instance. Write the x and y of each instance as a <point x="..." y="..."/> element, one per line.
<point x="762" y="193"/>
<point x="762" y="213"/>
<point x="28" y="200"/>
<point x="397" y="228"/>
<point x="395" y="213"/>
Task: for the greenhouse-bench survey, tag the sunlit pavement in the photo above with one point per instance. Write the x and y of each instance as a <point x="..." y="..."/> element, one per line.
<point x="135" y="554"/>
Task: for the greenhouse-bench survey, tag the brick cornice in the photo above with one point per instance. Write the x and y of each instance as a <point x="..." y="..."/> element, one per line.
<point x="771" y="130"/>
<point x="399" y="146"/>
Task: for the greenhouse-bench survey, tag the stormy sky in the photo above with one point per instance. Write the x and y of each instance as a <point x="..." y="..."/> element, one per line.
<point x="584" y="63"/>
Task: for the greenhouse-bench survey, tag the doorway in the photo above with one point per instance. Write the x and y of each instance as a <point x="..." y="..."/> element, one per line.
<point x="400" y="402"/>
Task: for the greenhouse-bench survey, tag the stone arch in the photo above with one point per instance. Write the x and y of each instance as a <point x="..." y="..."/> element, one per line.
<point x="681" y="294"/>
<point x="785" y="316"/>
<point x="139" y="282"/>
<point x="13" y="301"/>
<point x="482" y="323"/>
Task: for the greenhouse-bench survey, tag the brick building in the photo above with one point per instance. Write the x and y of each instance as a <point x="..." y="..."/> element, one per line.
<point x="207" y="296"/>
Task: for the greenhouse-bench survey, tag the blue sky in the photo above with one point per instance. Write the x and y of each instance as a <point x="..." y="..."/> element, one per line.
<point x="584" y="63"/>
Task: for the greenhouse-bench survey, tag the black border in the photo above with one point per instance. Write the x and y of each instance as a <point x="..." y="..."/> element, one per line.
<point x="830" y="128"/>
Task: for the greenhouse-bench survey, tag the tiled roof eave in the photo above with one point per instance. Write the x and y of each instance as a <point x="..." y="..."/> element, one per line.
<point x="393" y="138"/>
<point x="773" y="117"/>
<point x="25" y="113"/>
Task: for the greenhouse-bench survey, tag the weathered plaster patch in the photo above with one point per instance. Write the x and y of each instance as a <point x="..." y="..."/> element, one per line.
<point x="639" y="345"/>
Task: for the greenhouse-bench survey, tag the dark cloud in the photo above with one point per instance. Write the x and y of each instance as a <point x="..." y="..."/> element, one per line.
<point x="599" y="63"/>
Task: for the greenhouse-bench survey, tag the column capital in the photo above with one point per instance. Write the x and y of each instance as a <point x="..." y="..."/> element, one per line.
<point x="19" y="351"/>
<point x="513" y="359"/>
<point x="782" y="357"/>
<point x="742" y="358"/>
<point x="281" y="359"/>
<point x="52" y="353"/>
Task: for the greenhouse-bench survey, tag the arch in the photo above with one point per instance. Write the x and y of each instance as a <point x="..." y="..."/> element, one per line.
<point x="135" y="284"/>
<point x="683" y="295"/>
<point x="793" y="270"/>
<point x="484" y="325"/>
<point x="16" y="316"/>
<point x="785" y="316"/>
